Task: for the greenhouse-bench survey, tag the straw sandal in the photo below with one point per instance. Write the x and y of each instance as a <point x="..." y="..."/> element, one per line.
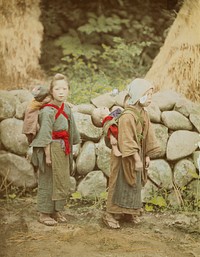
<point x="110" y="221"/>
<point x="132" y="218"/>
<point x="48" y="221"/>
<point x="57" y="216"/>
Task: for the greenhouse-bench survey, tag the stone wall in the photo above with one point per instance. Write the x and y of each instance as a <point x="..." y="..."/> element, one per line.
<point x="175" y="119"/>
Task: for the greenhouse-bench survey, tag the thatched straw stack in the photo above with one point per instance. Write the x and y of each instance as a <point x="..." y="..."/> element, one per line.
<point x="177" y="65"/>
<point x="20" y="41"/>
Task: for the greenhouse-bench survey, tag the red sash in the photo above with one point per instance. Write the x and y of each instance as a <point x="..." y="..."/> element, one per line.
<point x="64" y="135"/>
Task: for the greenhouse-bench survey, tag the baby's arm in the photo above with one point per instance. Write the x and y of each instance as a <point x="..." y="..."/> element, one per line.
<point x="113" y="140"/>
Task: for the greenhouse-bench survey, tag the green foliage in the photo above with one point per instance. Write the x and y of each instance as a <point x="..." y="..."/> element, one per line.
<point x="102" y="24"/>
<point x="76" y="196"/>
<point x="97" y="59"/>
<point x="149" y="208"/>
<point x="98" y="203"/>
<point x="71" y="45"/>
<point x="158" y="201"/>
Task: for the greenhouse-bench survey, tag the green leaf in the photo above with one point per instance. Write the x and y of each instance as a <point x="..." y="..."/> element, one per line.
<point x="149" y="208"/>
<point x="159" y="201"/>
<point x="12" y="196"/>
<point x="76" y="196"/>
<point x="104" y="195"/>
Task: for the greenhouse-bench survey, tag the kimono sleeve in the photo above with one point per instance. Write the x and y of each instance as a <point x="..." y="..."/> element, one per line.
<point x="75" y="132"/>
<point x="127" y="136"/>
<point x="44" y="135"/>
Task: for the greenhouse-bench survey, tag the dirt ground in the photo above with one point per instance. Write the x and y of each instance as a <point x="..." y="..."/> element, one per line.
<point x="86" y="236"/>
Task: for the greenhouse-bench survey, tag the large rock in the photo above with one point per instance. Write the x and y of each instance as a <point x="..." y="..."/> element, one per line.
<point x="165" y="100"/>
<point x="105" y="100"/>
<point x="20" y="110"/>
<point x="73" y="168"/>
<point x="196" y="158"/>
<point x="162" y="136"/>
<point x="176" y="121"/>
<point x="86" y="128"/>
<point x="154" y="112"/>
<point x="72" y="183"/>
<point x="181" y="143"/>
<point x="174" y="198"/>
<point x="8" y="104"/>
<point x="84" y="108"/>
<point x="194" y="188"/>
<point x="195" y="119"/>
<point x="184" y="172"/>
<point x="17" y="170"/>
<point x="11" y="136"/>
<point x="86" y="159"/>
<point x="148" y="191"/>
<point x="161" y="173"/>
<point x="23" y="95"/>
<point x="185" y="106"/>
<point x="103" y="157"/>
<point x="93" y="185"/>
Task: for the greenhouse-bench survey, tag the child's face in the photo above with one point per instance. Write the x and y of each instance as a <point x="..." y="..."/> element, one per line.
<point x="146" y="99"/>
<point x="60" y="91"/>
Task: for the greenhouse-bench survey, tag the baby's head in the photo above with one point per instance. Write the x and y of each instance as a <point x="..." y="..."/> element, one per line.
<point x="40" y="93"/>
<point x="98" y="115"/>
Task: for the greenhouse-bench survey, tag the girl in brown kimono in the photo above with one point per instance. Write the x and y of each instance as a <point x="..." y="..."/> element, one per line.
<point x="52" y="153"/>
<point x="128" y="173"/>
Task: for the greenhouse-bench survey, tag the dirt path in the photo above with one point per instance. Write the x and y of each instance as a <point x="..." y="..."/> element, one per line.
<point x="85" y="235"/>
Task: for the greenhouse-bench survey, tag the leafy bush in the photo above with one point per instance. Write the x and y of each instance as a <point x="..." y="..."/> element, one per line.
<point x="96" y="66"/>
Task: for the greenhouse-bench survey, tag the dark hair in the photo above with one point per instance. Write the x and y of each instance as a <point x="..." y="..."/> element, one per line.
<point x="40" y="93"/>
<point x="57" y="77"/>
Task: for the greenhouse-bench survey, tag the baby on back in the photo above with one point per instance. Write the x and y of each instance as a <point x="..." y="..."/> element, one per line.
<point x="102" y="117"/>
<point x="30" y="126"/>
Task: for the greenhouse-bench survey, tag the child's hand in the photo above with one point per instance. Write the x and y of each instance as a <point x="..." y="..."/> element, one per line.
<point x="138" y="165"/>
<point x="48" y="160"/>
<point x="48" y="155"/>
<point x="147" y="162"/>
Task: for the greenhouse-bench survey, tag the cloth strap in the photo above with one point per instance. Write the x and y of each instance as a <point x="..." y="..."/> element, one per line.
<point x="113" y="129"/>
<point x="60" y="110"/>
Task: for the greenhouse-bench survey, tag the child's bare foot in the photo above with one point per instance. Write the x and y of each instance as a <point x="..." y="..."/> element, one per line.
<point x="47" y="220"/>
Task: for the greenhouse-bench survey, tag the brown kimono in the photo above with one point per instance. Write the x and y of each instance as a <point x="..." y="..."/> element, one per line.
<point x="125" y="184"/>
